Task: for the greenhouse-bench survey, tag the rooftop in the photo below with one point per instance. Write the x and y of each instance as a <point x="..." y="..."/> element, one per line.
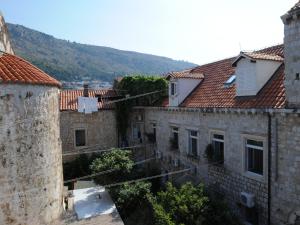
<point x="210" y="93"/>
<point x="15" y="70"/>
<point x="69" y="98"/>
<point x="187" y="74"/>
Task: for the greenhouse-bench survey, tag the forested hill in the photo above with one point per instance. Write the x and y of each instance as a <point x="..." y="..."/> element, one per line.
<point x="70" y="61"/>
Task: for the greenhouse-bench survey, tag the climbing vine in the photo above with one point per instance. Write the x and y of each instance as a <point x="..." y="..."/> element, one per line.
<point x="136" y="85"/>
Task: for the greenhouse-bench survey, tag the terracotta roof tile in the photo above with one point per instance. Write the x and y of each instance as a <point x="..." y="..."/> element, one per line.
<point x="69" y="98"/>
<point x="187" y="74"/>
<point x="14" y="69"/>
<point x="211" y="92"/>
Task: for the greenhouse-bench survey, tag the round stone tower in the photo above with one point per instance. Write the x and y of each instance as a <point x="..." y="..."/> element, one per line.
<point x="31" y="182"/>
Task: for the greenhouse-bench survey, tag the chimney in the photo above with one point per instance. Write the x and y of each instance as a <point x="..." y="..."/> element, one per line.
<point x="85" y="90"/>
<point x="291" y="22"/>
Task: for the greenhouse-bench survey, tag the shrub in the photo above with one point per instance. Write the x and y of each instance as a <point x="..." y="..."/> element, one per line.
<point x="118" y="160"/>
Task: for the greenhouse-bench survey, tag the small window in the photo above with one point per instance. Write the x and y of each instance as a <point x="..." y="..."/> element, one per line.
<point x="175" y="138"/>
<point x="193" y="143"/>
<point x="218" y="147"/>
<point x="254" y="156"/>
<point x="80" y="138"/>
<point x="173" y="89"/>
<point x="230" y="81"/>
<point x="154" y="132"/>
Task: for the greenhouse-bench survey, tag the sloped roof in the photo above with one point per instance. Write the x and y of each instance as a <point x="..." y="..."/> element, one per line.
<point x="295" y="7"/>
<point x="258" y="56"/>
<point x="16" y="70"/>
<point x="187" y="74"/>
<point x="211" y="92"/>
<point x="69" y="98"/>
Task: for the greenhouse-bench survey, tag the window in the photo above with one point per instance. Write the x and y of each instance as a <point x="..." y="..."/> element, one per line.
<point x="254" y="156"/>
<point x="174" y="138"/>
<point x="218" y="147"/>
<point x="80" y="138"/>
<point x="173" y="88"/>
<point x="230" y="81"/>
<point x="193" y="143"/>
<point x="154" y="131"/>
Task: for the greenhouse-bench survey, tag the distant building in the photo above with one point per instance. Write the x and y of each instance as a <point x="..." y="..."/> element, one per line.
<point x="87" y="131"/>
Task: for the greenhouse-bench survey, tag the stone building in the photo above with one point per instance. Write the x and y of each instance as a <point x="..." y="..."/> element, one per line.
<point x="87" y="131"/>
<point x="31" y="188"/>
<point x="236" y="124"/>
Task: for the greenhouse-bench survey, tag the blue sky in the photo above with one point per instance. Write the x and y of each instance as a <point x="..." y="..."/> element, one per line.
<point x="194" y="30"/>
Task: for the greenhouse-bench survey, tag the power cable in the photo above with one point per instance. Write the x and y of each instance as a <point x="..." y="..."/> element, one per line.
<point x="104" y="172"/>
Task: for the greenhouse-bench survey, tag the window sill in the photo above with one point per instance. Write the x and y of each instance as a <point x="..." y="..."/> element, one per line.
<point x="193" y="157"/>
<point x="80" y="147"/>
<point x="254" y="176"/>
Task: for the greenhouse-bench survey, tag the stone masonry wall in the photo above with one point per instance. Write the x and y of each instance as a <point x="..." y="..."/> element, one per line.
<point x="101" y="131"/>
<point x="231" y="178"/>
<point x="5" y="44"/>
<point x="285" y="197"/>
<point x="30" y="155"/>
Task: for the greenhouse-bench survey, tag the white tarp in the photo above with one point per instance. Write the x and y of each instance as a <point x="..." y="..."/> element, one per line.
<point x="87" y="105"/>
<point x="88" y="204"/>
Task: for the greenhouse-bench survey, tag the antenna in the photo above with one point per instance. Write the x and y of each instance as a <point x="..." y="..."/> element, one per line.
<point x="240" y="45"/>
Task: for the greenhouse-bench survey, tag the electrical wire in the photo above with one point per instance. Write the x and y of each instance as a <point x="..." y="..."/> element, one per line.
<point x="103" y="150"/>
<point x="146" y="178"/>
<point x="133" y="97"/>
<point x="104" y="172"/>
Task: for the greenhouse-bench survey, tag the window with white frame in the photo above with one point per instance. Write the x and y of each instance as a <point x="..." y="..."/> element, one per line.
<point x="254" y="156"/>
<point x="80" y="137"/>
<point x="193" y="143"/>
<point x="173" y="88"/>
<point x="175" y="138"/>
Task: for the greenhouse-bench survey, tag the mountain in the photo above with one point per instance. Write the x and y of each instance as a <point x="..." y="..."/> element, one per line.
<point x="70" y="61"/>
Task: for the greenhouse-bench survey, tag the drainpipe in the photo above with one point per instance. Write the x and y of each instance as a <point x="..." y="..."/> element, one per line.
<point x="269" y="166"/>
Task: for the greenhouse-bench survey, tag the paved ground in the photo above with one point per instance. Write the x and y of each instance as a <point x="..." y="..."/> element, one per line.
<point x="107" y="219"/>
<point x="89" y="209"/>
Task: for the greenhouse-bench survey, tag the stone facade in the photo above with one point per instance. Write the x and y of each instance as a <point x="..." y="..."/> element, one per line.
<point x="30" y="155"/>
<point x="100" y="129"/>
<point x="5" y="45"/>
<point x="231" y="178"/>
<point x="291" y="22"/>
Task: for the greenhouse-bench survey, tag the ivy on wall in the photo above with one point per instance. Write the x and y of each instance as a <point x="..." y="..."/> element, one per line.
<point x="136" y="85"/>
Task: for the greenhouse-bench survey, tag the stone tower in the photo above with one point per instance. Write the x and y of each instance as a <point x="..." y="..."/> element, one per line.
<point x="291" y="22"/>
<point x="31" y="182"/>
<point x="5" y="45"/>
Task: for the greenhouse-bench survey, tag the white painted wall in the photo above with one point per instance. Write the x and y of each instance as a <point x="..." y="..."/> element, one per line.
<point x="184" y="88"/>
<point x="251" y="77"/>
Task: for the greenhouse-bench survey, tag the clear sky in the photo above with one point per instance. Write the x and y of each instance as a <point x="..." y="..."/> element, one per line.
<point x="198" y="31"/>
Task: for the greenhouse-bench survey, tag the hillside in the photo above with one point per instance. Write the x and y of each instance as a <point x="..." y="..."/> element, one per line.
<point x="70" y="61"/>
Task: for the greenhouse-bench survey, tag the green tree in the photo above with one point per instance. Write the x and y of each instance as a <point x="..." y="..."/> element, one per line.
<point x="117" y="160"/>
<point x="129" y="197"/>
<point x="189" y="205"/>
<point x="135" y="85"/>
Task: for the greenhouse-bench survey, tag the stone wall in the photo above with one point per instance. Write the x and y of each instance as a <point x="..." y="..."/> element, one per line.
<point x="101" y="131"/>
<point x="30" y="155"/>
<point x="231" y="178"/>
<point x="285" y="197"/>
<point x="292" y="59"/>
<point x="5" y="44"/>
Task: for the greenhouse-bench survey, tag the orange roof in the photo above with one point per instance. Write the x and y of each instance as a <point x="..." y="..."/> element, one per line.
<point x="188" y="74"/>
<point x="212" y="93"/>
<point x="14" y="69"/>
<point x="69" y="98"/>
<point x="256" y="55"/>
